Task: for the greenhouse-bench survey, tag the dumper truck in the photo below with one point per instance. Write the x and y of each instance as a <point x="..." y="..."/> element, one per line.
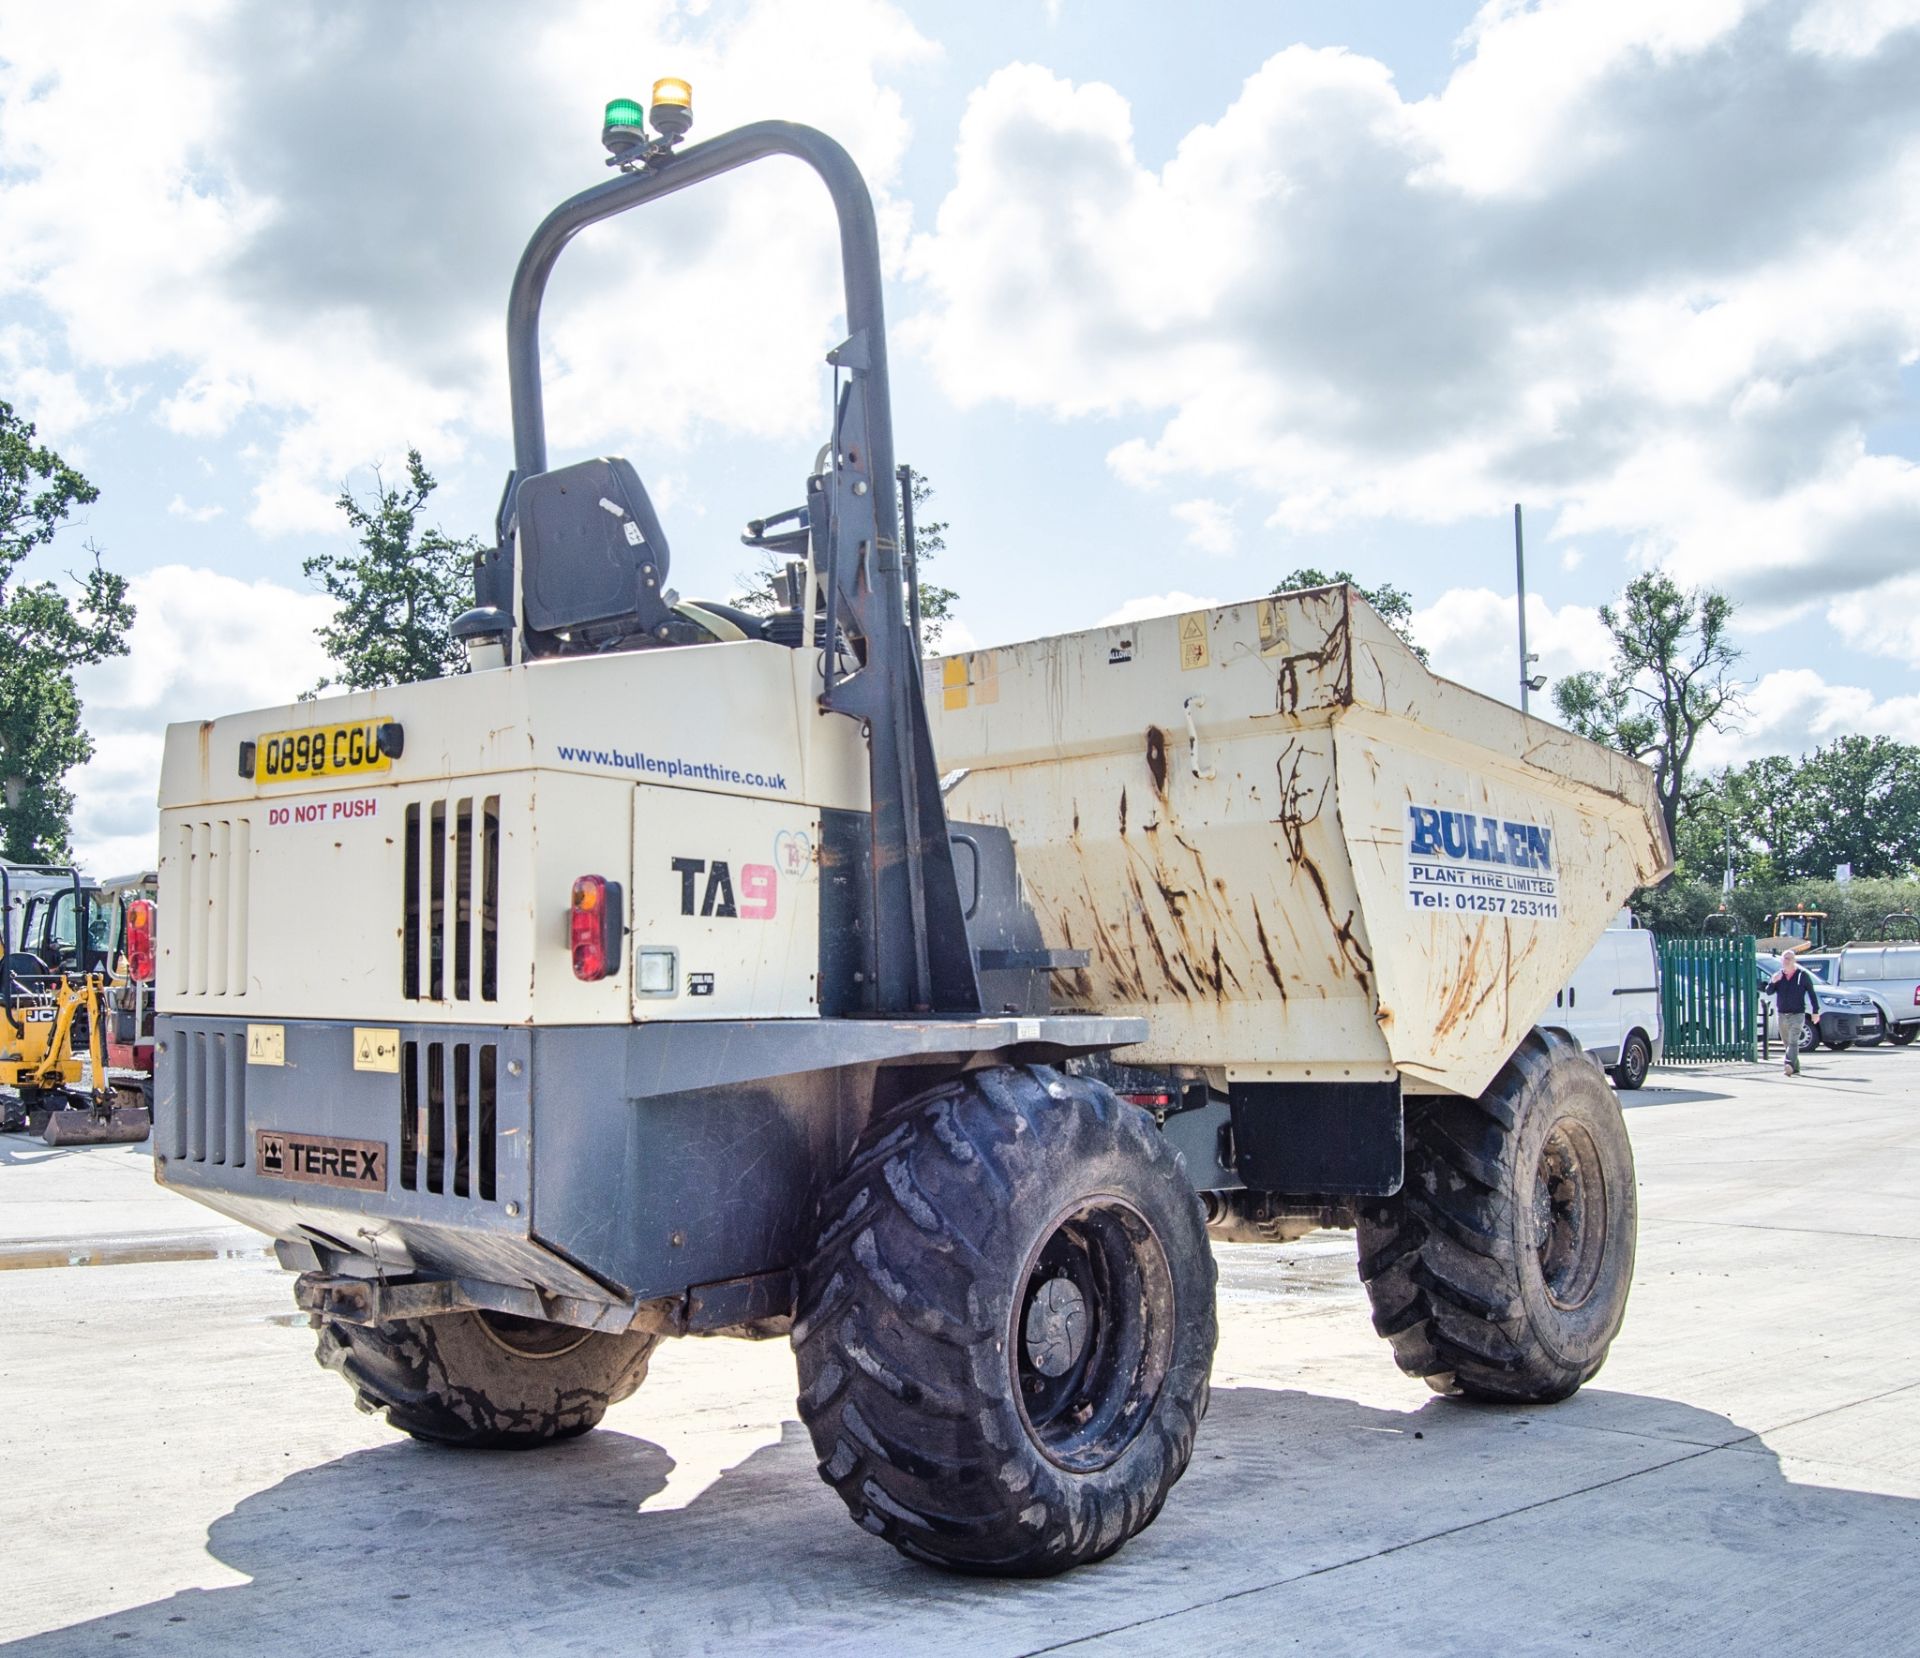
<point x="1342" y="893"/>
<point x="638" y="983"/>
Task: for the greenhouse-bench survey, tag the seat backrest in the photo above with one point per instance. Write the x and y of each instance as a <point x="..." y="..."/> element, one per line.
<point x="592" y="555"/>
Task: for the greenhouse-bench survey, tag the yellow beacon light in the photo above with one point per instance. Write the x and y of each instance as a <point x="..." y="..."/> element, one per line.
<point x="671" y="114"/>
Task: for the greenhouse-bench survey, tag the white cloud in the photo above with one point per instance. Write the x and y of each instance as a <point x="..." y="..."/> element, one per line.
<point x="1793" y="710"/>
<point x="1653" y="268"/>
<point x="202" y="644"/>
<point x="178" y="508"/>
<point x="1149" y="605"/>
<point x="1885" y="621"/>
<point x="1473" y="636"/>
<point x="306" y="217"/>
<point x="1210" y="526"/>
<point x="1570" y="559"/>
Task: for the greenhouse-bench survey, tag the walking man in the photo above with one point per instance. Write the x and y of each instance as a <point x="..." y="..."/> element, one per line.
<point x="1794" y="998"/>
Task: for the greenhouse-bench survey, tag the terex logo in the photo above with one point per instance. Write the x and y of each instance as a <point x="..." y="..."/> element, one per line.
<point x="321" y="1160"/>
<point x="759" y="889"/>
<point x="1483" y="840"/>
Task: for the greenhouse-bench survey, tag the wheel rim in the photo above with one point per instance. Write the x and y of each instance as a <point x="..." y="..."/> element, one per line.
<point x="1569" y="1214"/>
<point x="529" y="1338"/>
<point x="1092" y="1333"/>
<point x="1636" y="1063"/>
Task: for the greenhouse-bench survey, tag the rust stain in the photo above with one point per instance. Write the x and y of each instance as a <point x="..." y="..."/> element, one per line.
<point x="1123" y="811"/>
<point x="1336" y="650"/>
<point x="1157" y="759"/>
<point x="1266" y="952"/>
<point x="1294" y="818"/>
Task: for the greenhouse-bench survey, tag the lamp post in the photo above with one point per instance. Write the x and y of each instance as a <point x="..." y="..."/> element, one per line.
<point x="1529" y="681"/>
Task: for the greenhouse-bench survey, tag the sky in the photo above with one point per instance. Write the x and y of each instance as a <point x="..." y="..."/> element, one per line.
<point x="1181" y="299"/>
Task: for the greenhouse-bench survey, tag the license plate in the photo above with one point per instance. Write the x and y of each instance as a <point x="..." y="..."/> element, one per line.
<point x="320" y="751"/>
<point x="320" y="1159"/>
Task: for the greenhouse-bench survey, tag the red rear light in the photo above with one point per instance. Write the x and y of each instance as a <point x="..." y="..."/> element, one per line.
<point x="140" y="939"/>
<point x="1150" y="1101"/>
<point x="595" y="926"/>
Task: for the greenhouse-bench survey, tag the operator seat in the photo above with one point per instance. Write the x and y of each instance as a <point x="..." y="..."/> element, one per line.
<point x="593" y="559"/>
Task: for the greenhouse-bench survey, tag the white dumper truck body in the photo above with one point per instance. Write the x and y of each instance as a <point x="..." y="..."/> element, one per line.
<point x="1296" y="851"/>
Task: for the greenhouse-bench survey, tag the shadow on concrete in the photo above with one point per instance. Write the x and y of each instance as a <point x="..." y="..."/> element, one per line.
<point x="1660" y="1093"/>
<point x="18" y="1149"/>
<point x="409" y="1548"/>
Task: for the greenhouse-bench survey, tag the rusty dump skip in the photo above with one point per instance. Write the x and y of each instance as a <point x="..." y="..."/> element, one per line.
<point x="1289" y="845"/>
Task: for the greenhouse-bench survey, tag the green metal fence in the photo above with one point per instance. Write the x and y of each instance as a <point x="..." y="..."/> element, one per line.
<point x="1709" y="999"/>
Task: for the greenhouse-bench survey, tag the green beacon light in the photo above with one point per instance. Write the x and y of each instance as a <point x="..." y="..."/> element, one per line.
<point x="624" y="130"/>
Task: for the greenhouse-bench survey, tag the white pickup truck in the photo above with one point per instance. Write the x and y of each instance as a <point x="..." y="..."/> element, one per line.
<point x="1890" y="975"/>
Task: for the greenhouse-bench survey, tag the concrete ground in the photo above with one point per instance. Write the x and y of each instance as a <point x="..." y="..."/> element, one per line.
<point x="1743" y="1477"/>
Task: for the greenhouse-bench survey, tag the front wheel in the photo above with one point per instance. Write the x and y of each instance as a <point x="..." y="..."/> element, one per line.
<point x="1007" y="1326"/>
<point x="483" y="1380"/>
<point x="1500" y="1270"/>
<point x="1635" y="1058"/>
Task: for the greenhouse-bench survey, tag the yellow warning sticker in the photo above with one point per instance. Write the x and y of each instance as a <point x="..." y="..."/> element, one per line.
<point x="375" y="1050"/>
<point x="953" y="682"/>
<point x="266" y="1044"/>
<point x="1196" y="650"/>
<point x="1273" y="628"/>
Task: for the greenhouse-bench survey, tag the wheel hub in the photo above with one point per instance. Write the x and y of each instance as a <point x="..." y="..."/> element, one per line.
<point x="1569" y="1214"/>
<point x="1092" y="1333"/>
<point x="1056" y="1327"/>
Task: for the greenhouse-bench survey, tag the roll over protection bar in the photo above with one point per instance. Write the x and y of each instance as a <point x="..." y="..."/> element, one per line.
<point x="918" y="959"/>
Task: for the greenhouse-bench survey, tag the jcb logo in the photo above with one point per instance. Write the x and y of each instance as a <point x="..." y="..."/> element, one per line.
<point x="759" y="889"/>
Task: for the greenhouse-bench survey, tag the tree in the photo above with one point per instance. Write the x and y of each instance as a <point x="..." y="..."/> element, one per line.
<point x="1394" y="605"/>
<point x="45" y="634"/>
<point x="1671" y="679"/>
<point x="759" y="596"/>
<point x="1860" y="798"/>
<point x="1853" y="801"/>
<point x="399" y="594"/>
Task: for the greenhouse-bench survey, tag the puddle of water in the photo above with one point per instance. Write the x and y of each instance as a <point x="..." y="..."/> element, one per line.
<point x="114" y="1255"/>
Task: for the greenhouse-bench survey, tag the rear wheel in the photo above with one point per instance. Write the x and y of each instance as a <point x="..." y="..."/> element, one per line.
<point x="1501" y="1269"/>
<point x="483" y="1380"/>
<point x="1901" y="1035"/>
<point x="1007" y="1326"/>
<point x="1635" y="1057"/>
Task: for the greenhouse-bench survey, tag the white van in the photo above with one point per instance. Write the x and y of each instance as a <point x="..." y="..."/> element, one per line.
<point x="1612" y="1006"/>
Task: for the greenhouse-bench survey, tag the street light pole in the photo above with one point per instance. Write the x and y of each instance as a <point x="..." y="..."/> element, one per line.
<point x="1520" y="581"/>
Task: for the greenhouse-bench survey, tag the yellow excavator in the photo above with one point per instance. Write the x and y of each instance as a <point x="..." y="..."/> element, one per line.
<point x="64" y="1096"/>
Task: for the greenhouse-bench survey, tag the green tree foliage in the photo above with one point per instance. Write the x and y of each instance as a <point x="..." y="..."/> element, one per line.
<point x="1394" y="605"/>
<point x="399" y="593"/>
<point x="1854" y="910"/>
<point x="758" y="593"/>
<point x="1671" y="679"/>
<point x="46" y="633"/>
<point x="1855" y="801"/>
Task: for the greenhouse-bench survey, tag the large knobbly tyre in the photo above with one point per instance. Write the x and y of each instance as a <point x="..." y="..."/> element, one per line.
<point x="1007" y="1325"/>
<point x="484" y="1381"/>
<point x="1501" y="1269"/>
